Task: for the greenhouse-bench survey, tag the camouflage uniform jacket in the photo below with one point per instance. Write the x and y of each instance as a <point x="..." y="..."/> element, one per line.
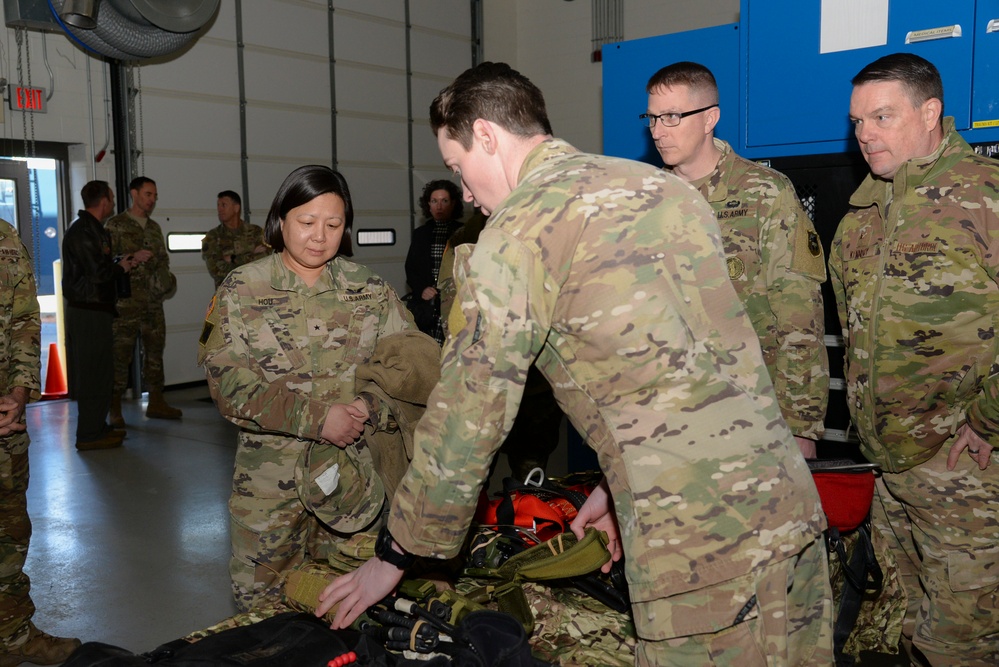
<point x="240" y="243"/>
<point x="610" y="272"/>
<point x="278" y="353"/>
<point x="775" y="261"/>
<point x="20" y="327"/>
<point x="915" y="270"/>
<point x="151" y="280"/>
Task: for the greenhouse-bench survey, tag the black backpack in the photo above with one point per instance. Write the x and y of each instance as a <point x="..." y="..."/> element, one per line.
<point x="295" y="639"/>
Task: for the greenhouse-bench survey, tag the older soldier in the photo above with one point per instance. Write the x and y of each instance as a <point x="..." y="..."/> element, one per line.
<point x="20" y="329"/>
<point x="234" y="242"/>
<point x="773" y="254"/>
<point x="915" y="265"/>
<point x="141" y="314"/>
<point x="610" y="274"/>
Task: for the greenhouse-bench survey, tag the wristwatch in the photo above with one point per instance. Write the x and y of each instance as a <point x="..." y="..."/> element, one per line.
<point x="384" y="550"/>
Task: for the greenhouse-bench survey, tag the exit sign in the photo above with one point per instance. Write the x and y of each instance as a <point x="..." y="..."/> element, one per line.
<point x="27" y="99"/>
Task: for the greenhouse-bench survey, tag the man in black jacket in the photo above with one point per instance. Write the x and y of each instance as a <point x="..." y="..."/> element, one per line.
<point x="89" y="285"/>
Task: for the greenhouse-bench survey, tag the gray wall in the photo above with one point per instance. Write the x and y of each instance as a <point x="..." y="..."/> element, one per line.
<point x="188" y="121"/>
<point x="189" y="108"/>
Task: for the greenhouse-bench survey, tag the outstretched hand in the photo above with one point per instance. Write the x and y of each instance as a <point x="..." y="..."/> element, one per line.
<point x="598" y="512"/>
<point x="356" y="591"/>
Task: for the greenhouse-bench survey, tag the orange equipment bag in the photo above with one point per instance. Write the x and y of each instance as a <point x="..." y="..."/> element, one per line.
<point x="539" y="507"/>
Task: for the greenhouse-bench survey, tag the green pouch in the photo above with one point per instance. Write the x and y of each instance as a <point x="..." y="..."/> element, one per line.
<point x="561" y="557"/>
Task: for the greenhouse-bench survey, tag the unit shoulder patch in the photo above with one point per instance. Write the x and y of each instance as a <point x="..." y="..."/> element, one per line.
<point x="808" y="258"/>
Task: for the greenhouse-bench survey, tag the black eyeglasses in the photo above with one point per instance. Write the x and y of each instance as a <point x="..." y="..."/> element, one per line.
<point x="670" y="119"/>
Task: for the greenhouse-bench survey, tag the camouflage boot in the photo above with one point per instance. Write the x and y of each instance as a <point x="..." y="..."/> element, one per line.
<point x="39" y="649"/>
<point x="114" y="414"/>
<point x="158" y="408"/>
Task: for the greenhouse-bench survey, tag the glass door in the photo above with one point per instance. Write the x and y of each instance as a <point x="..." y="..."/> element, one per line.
<point x="15" y="200"/>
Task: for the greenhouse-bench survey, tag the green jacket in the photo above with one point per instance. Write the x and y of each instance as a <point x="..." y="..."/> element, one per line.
<point x="776" y="264"/>
<point x="20" y="327"/>
<point x="915" y="270"/>
<point x="238" y="244"/>
<point x="610" y="274"/>
<point x="277" y="353"/>
<point x="151" y="281"/>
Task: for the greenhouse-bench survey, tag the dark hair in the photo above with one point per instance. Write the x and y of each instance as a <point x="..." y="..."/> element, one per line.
<point x="918" y="76"/>
<point x="452" y="189"/>
<point x="138" y="182"/>
<point x="494" y="92"/>
<point x="695" y="76"/>
<point x="93" y="192"/>
<point x="231" y="195"/>
<point x="300" y="187"/>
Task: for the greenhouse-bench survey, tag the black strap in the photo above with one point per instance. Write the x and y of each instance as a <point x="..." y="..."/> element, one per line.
<point x="862" y="574"/>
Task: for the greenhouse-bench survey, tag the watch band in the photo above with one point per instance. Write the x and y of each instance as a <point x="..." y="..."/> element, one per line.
<point x="384" y="550"/>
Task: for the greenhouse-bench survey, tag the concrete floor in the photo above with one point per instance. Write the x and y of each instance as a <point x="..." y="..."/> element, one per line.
<point x="130" y="545"/>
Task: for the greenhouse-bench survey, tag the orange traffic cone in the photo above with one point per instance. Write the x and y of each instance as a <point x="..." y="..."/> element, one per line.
<point x="55" y="377"/>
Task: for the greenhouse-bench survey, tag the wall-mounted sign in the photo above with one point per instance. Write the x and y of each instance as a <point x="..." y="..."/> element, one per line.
<point x="27" y="99"/>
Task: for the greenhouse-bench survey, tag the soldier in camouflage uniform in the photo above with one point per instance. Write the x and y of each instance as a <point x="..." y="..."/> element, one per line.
<point x="610" y="273"/>
<point x="915" y="269"/>
<point x="234" y="242"/>
<point x="20" y="331"/>
<point x="281" y="343"/>
<point x="773" y="254"/>
<point x="141" y="314"/>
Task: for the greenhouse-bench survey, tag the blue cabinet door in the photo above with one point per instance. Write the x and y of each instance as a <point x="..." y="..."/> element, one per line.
<point x="798" y="96"/>
<point x="985" y="74"/>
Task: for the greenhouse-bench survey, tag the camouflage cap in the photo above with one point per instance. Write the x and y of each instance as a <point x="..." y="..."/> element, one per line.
<point x="339" y="486"/>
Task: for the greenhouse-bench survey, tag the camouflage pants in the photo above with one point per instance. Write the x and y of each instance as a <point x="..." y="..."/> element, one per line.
<point x="944" y="528"/>
<point x="790" y="624"/>
<point x="270" y="528"/>
<point x="139" y="318"/>
<point x="16" y="607"/>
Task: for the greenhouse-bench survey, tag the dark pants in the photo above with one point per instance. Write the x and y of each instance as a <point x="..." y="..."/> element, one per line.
<point x="91" y="368"/>
<point x="16" y="608"/>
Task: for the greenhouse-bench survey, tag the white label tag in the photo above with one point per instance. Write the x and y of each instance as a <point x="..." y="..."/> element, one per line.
<point x="329" y="480"/>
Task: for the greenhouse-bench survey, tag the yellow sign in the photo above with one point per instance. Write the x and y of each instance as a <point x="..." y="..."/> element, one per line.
<point x="978" y="124"/>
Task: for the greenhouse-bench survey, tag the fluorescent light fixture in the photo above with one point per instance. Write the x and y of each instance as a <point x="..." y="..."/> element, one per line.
<point x="184" y="241"/>
<point x="369" y="237"/>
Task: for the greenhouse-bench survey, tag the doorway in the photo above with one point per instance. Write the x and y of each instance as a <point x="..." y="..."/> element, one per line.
<point x="30" y="200"/>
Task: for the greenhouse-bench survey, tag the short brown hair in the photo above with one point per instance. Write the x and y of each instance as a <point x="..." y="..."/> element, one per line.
<point x="695" y="76"/>
<point x="918" y="76"/>
<point x="495" y="92"/>
<point x="93" y="192"/>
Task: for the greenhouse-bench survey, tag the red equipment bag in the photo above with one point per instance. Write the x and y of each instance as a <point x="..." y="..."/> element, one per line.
<point x="846" y="489"/>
